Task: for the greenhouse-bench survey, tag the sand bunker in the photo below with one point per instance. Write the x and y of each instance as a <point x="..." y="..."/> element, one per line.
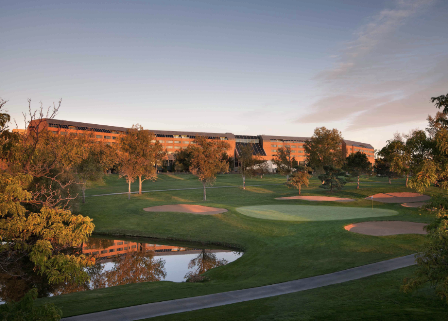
<point x="383" y="228"/>
<point x="399" y="197"/>
<point x="186" y="208"/>
<point x="417" y="204"/>
<point x="316" y="198"/>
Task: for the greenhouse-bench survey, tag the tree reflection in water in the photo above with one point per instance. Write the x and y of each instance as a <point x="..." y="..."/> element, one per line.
<point x="132" y="267"/>
<point x="202" y="263"/>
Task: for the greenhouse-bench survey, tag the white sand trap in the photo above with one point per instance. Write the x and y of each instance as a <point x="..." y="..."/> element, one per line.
<point x="417" y="204"/>
<point x="186" y="208"/>
<point x="404" y="197"/>
<point x="383" y="228"/>
<point x="316" y="198"/>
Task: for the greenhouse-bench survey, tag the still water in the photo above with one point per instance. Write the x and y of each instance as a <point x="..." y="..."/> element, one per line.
<point x="120" y="262"/>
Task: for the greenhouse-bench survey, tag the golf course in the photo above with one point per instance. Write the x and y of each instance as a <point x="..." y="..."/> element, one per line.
<point x="282" y="240"/>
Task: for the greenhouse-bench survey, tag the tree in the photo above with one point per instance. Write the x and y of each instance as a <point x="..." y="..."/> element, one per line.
<point x="206" y="160"/>
<point x="128" y="168"/>
<point x="26" y="310"/>
<point x="299" y="178"/>
<point x="285" y="163"/>
<point x="334" y="178"/>
<point x="324" y="148"/>
<point x="182" y="160"/>
<point x="97" y="159"/>
<point x="249" y="164"/>
<point x="144" y="152"/>
<point x="358" y="164"/>
<point x="384" y="162"/>
<point x="36" y="192"/>
<point x="431" y="261"/>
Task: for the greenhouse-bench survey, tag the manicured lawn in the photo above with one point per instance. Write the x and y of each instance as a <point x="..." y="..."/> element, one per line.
<point x="311" y="213"/>
<point x="275" y="251"/>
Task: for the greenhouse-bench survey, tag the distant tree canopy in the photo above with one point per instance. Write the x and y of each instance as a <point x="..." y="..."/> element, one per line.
<point x="333" y="178"/>
<point x="206" y="161"/>
<point x="142" y="154"/>
<point x="249" y="165"/>
<point x="324" y="148"/>
<point x="357" y="164"/>
<point x="299" y="178"/>
<point x="182" y="161"/>
<point x="284" y="161"/>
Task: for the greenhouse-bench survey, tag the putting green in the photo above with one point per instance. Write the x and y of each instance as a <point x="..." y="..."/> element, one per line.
<point x="311" y="213"/>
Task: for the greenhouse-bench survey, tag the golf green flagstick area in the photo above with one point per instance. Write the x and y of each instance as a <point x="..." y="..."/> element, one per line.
<point x="311" y="213"/>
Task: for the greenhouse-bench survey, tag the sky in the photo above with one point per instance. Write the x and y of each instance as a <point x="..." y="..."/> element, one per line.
<point x="367" y="68"/>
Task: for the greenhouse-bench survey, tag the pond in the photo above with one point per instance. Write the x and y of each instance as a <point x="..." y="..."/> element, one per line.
<point x="124" y="261"/>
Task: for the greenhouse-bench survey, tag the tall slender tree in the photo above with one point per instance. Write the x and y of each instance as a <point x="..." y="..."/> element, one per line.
<point x="249" y="164"/>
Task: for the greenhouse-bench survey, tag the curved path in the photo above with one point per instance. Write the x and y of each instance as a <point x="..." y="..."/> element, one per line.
<point x="151" y="310"/>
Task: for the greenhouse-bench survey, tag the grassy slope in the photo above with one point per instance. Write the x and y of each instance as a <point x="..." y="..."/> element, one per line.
<point x="275" y="251"/>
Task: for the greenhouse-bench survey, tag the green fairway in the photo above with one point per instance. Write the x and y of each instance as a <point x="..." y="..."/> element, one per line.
<point x="311" y="213"/>
<point x="274" y="250"/>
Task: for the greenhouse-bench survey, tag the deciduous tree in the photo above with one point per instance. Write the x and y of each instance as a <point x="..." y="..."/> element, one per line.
<point x="284" y="161"/>
<point x="207" y="162"/>
<point x="249" y="164"/>
<point x="299" y="178"/>
<point x="357" y="164"/>
<point x="324" y="148"/>
<point x="144" y="152"/>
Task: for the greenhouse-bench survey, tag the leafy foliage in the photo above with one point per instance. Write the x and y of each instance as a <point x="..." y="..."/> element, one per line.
<point x="206" y="160"/>
<point x="25" y="310"/>
<point x="140" y="154"/>
<point x="324" y="148"/>
<point x="334" y="178"/>
<point x="250" y="165"/>
<point x="299" y="178"/>
<point x="357" y="164"/>
<point x="284" y="161"/>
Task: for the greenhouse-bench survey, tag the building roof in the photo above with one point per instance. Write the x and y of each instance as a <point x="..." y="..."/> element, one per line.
<point x="358" y="144"/>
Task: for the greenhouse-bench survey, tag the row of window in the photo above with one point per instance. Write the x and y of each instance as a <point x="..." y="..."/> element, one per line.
<point x="292" y="152"/>
<point x="290" y="146"/>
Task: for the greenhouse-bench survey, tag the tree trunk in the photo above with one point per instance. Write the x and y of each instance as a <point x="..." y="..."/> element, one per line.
<point x="140" y="185"/>
<point x="129" y="190"/>
<point x="287" y="177"/>
<point x="244" y="182"/>
<point x="300" y="189"/>
<point x="357" y="187"/>
<point x="205" y="193"/>
<point x="83" y="194"/>
<point x="407" y="179"/>
<point x="390" y="181"/>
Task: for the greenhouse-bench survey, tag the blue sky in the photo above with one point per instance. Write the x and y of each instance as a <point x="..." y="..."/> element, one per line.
<point x="367" y="68"/>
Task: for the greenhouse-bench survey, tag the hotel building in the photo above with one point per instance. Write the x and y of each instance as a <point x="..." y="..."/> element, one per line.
<point x="265" y="146"/>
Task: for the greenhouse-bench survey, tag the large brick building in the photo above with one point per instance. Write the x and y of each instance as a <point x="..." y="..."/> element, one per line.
<point x="263" y="145"/>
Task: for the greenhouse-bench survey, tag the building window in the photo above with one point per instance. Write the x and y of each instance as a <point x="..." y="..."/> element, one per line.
<point x="107" y="137"/>
<point x="273" y="145"/>
<point x="133" y="246"/>
<point x="169" y="146"/>
<point x="53" y="125"/>
<point x="120" y="249"/>
<point x="161" y="141"/>
<point x="111" y="250"/>
<point x="119" y="243"/>
<point x="63" y="133"/>
<point x="177" y="142"/>
<point x="293" y="146"/>
<point x="274" y="151"/>
<point x="99" y="136"/>
<point x="176" y="147"/>
<point x="105" y="251"/>
<point x="73" y="134"/>
<point x="187" y="142"/>
<point x="169" y="141"/>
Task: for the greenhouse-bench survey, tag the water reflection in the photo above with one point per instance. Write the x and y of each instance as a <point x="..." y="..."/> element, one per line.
<point x="119" y="262"/>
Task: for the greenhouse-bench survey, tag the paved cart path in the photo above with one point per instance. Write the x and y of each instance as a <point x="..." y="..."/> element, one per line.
<point x="213" y="300"/>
